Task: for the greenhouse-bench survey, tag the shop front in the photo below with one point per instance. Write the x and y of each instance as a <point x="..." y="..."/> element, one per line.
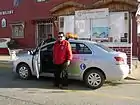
<point x="44" y="27"/>
<point x="111" y="25"/>
<point x="111" y="22"/>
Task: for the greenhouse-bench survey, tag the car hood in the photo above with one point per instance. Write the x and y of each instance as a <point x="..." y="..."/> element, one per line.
<point x="23" y="54"/>
<point x="20" y="55"/>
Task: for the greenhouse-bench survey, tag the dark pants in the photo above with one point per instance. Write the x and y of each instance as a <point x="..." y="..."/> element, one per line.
<point x="61" y="75"/>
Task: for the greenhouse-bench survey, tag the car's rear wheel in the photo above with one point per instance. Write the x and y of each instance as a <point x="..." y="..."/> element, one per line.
<point x="94" y="79"/>
<point x="24" y="71"/>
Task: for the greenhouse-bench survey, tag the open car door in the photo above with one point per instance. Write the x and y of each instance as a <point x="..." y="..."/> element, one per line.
<point x="37" y="60"/>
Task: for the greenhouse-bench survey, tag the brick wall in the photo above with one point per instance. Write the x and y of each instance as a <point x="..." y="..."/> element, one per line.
<point x="126" y="50"/>
<point x="122" y="47"/>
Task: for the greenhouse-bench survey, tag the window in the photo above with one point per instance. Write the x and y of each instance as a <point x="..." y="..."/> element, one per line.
<point x="61" y="23"/>
<point x="17" y="30"/>
<point x="42" y="0"/>
<point x="73" y="46"/>
<point x="43" y="30"/>
<point x="49" y="28"/>
<point x="79" y="48"/>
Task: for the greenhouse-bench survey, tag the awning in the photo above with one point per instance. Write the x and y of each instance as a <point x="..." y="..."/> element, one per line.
<point x="44" y="20"/>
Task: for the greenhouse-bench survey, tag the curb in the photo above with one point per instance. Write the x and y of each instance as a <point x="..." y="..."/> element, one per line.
<point x="5" y="66"/>
<point x="130" y="78"/>
<point x="5" y="62"/>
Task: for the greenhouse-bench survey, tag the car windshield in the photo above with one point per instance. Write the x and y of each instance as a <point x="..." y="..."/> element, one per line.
<point x="104" y="47"/>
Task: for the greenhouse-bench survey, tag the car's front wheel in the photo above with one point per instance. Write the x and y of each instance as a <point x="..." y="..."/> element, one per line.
<point x="24" y="71"/>
<point x="94" y="79"/>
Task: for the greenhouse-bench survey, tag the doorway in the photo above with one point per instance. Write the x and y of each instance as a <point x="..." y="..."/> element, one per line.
<point x="43" y="29"/>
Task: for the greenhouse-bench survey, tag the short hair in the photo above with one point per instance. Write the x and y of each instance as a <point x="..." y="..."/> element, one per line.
<point x="50" y="35"/>
<point x="61" y="33"/>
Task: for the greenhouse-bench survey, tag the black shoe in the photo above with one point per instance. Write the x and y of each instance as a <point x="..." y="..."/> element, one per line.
<point x="63" y="87"/>
<point x="56" y="85"/>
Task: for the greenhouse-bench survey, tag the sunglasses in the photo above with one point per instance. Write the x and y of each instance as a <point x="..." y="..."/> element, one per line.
<point x="59" y="36"/>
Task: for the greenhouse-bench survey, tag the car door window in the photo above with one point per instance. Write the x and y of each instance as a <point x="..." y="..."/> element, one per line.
<point x="47" y="47"/>
<point x="50" y="47"/>
<point x="73" y="46"/>
<point x="80" y="48"/>
<point x="83" y="49"/>
<point x="46" y="51"/>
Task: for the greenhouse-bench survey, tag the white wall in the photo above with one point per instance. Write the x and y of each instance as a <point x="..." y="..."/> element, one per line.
<point x="69" y="24"/>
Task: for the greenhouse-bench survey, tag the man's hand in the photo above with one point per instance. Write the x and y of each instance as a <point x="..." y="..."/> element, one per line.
<point x="68" y="63"/>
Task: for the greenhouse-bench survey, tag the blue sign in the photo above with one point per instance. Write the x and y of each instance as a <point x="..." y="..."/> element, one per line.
<point x="82" y="66"/>
<point x="16" y="3"/>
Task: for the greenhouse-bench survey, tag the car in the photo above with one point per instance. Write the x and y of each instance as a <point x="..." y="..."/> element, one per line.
<point x="92" y="63"/>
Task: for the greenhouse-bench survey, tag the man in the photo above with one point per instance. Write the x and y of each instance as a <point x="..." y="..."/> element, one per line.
<point x="62" y="56"/>
<point x="50" y="39"/>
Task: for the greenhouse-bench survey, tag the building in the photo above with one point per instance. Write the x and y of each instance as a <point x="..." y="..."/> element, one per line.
<point x="30" y="21"/>
<point x="138" y="23"/>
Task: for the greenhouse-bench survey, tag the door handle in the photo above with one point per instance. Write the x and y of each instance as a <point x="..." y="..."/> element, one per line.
<point x="85" y="59"/>
<point x="76" y="58"/>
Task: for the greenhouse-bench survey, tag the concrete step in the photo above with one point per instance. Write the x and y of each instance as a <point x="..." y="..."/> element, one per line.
<point x="135" y="74"/>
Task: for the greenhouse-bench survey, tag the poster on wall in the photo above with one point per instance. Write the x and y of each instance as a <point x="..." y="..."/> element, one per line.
<point x="100" y="32"/>
<point x="82" y="28"/>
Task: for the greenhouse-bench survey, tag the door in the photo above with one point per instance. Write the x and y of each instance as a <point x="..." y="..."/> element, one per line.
<point x="36" y="59"/>
<point x="81" y="58"/>
<point x="47" y="58"/>
<point x="43" y="29"/>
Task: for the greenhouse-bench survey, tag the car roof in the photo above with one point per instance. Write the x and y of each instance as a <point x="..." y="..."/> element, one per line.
<point x="81" y="41"/>
<point x="77" y="41"/>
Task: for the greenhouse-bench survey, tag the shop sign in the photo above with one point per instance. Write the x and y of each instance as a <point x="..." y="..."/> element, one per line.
<point x="92" y="14"/>
<point x="3" y="23"/>
<point x="6" y="12"/>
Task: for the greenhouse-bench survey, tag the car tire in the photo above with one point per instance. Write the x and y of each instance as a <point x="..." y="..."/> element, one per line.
<point x="94" y="79"/>
<point x="24" y="71"/>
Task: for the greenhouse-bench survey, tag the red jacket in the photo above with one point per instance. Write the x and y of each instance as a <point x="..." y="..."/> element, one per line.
<point x="62" y="52"/>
